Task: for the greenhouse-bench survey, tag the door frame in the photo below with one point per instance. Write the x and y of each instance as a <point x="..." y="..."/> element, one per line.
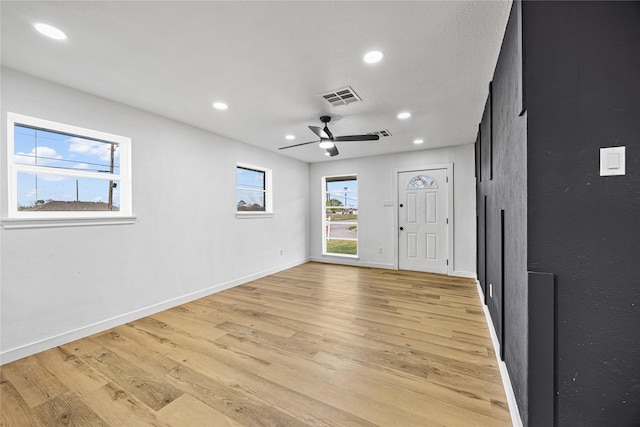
<point x="450" y="210"/>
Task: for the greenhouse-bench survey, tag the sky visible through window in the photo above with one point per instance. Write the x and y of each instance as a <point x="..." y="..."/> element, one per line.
<point x="61" y="151"/>
<point x="250" y="189"/>
<point x="336" y="190"/>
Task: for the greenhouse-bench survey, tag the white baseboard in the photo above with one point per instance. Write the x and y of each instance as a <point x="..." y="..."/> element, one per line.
<point x="466" y="274"/>
<point x="328" y="259"/>
<point x="104" y="325"/>
<point x="351" y="261"/>
<point x="504" y="373"/>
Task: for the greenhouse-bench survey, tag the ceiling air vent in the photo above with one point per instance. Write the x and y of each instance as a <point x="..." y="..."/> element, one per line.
<point x="343" y="96"/>
<point x="381" y="133"/>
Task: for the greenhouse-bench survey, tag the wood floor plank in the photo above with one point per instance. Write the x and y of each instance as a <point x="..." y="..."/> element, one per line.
<point x="317" y="344"/>
<point x="443" y="404"/>
<point x="14" y="411"/>
<point x="194" y="321"/>
<point x="470" y="369"/>
<point x="183" y="348"/>
<point x="422" y="334"/>
<point x="306" y="366"/>
<point x="375" y="412"/>
<point x="268" y="341"/>
<point x="144" y="386"/>
<point x="71" y="370"/>
<point x="241" y="384"/>
<point x="69" y="411"/>
<point x="312" y="313"/>
<point x="35" y="384"/>
<point x="117" y="407"/>
<point x="189" y="411"/>
<point x="249" y="317"/>
<point x="207" y="380"/>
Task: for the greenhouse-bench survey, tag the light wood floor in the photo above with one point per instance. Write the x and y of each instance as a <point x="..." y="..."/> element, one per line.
<point x="319" y="344"/>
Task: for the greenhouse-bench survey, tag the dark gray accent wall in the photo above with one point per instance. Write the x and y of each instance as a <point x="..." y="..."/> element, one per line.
<point x="503" y="125"/>
<point x="492" y="223"/>
<point x="583" y="93"/>
<point x="541" y="383"/>
<point x="579" y="65"/>
<point x="481" y="217"/>
<point x="510" y="139"/>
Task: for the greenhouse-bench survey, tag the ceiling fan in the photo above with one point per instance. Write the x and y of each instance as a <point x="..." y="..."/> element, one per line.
<point x="327" y="140"/>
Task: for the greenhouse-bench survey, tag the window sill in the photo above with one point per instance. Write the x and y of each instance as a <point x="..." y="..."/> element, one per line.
<point x="244" y="215"/>
<point x="341" y="255"/>
<point x="64" y="222"/>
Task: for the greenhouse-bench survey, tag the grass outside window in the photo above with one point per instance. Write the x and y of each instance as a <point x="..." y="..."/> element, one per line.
<point x="345" y="247"/>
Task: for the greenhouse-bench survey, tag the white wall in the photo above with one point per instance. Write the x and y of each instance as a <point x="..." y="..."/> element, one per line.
<point x="59" y="284"/>
<point x="376" y="222"/>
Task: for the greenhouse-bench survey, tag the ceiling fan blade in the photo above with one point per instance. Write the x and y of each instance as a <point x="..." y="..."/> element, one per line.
<point x="318" y="131"/>
<point x="357" y="138"/>
<point x="333" y="151"/>
<point x="297" y="145"/>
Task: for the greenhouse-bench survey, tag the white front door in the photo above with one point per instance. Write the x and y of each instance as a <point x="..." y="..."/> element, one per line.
<point x="422" y="221"/>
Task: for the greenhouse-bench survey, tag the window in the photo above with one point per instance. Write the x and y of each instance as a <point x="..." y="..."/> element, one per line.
<point x="422" y="181"/>
<point x="253" y="191"/>
<point x="340" y="213"/>
<point x="62" y="171"/>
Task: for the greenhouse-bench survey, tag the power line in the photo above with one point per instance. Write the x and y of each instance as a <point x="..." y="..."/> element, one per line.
<point x="61" y="160"/>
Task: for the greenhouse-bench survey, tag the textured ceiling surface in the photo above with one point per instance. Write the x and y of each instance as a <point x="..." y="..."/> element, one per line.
<point x="270" y="61"/>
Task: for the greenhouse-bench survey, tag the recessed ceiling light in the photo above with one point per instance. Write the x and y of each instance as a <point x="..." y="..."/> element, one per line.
<point x="326" y="153"/>
<point x="326" y="144"/>
<point x="404" y="115"/>
<point x="290" y="137"/>
<point x="373" y="57"/>
<point x="220" y="106"/>
<point x="418" y="141"/>
<point x="50" y="31"/>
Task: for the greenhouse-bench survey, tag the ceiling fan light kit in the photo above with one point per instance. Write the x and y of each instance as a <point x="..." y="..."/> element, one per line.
<point x="326" y="144"/>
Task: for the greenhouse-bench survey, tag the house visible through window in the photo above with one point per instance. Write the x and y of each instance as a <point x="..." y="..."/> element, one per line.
<point x="58" y="171"/>
<point x="340" y="225"/>
<point x="253" y="190"/>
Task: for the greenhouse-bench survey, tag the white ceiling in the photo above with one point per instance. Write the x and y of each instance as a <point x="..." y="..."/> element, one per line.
<point x="270" y="60"/>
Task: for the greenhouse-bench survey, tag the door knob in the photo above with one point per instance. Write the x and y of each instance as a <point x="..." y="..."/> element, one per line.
<point x="401" y="228"/>
<point x="401" y="205"/>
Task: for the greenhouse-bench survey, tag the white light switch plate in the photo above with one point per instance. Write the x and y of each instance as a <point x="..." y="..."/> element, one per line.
<point x="612" y="161"/>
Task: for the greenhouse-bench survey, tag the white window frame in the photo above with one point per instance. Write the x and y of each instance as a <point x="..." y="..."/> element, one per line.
<point x="19" y="219"/>
<point x="268" y="193"/>
<point x="326" y="225"/>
